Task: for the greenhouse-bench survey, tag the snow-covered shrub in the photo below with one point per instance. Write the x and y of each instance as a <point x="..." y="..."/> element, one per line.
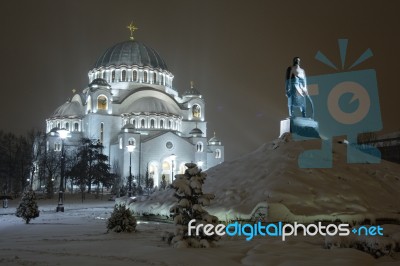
<point x="121" y="220"/>
<point x="189" y="206"/>
<point x="28" y="208"/>
<point x="377" y="246"/>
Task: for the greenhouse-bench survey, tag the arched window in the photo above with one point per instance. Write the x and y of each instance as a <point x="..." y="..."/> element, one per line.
<point x="102" y="102"/>
<point x="76" y="126"/>
<point x="145" y="76"/>
<point x="161" y="123"/>
<point x="113" y="76"/>
<point x="57" y="146"/>
<point x="131" y="141"/>
<point x="154" y="77"/>
<point x="196" y="111"/>
<point x="217" y="153"/>
<point x="162" y="79"/>
<point x="67" y="126"/>
<point x="123" y="75"/>
<point x="199" y="146"/>
<point x="101" y="132"/>
<point x="134" y="75"/>
<point x="58" y="125"/>
<point x="142" y="123"/>
<point x="89" y="104"/>
<point x="104" y="75"/>
<point x="152" y="122"/>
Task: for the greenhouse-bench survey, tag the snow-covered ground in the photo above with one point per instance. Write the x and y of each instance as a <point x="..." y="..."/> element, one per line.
<point x="78" y="237"/>
<point x="268" y="177"/>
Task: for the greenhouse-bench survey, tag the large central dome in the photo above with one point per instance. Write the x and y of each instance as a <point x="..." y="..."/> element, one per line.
<point x="131" y="53"/>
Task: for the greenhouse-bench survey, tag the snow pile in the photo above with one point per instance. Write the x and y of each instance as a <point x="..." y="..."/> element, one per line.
<point x="268" y="183"/>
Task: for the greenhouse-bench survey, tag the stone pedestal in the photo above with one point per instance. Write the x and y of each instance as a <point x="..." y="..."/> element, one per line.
<point x="300" y="126"/>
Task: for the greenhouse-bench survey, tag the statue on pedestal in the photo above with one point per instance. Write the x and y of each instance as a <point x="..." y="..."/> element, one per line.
<point x="296" y="88"/>
<point x="297" y="93"/>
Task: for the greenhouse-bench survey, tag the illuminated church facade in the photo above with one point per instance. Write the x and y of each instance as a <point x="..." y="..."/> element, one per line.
<point x="131" y="101"/>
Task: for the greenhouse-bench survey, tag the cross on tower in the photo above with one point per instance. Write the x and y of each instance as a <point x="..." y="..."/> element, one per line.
<point x="132" y="28"/>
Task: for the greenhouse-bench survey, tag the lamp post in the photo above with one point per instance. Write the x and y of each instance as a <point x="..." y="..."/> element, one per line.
<point x="173" y="157"/>
<point x="63" y="133"/>
<point x="130" y="148"/>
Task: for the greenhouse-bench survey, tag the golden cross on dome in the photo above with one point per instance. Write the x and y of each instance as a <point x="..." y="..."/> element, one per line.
<point x="132" y="28"/>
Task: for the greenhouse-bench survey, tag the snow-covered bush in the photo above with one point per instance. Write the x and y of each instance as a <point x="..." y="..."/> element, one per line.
<point x="28" y="208"/>
<point x="121" y="220"/>
<point x="377" y="246"/>
<point x="191" y="200"/>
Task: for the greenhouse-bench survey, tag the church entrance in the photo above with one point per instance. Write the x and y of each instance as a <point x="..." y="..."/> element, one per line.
<point x="153" y="173"/>
<point x="166" y="172"/>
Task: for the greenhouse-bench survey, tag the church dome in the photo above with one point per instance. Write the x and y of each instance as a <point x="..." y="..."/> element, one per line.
<point x="152" y="105"/>
<point x="214" y="141"/>
<point x="196" y="132"/>
<point x="99" y="82"/>
<point x="131" y="53"/>
<point x="70" y="109"/>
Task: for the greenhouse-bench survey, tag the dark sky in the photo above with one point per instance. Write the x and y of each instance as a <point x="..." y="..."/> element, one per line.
<point x="236" y="52"/>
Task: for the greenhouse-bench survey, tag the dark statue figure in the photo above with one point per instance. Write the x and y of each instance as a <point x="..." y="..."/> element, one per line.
<point x="296" y="88"/>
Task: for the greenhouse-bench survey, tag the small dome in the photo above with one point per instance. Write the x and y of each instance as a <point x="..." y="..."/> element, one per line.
<point x="191" y="91"/>
<point x="131" y="53"/>
<point x="214" y="141"/>
<point x="69" y="109"/>
<point x="196" y="132"/>
<point x="152" y="105"/>
<point x="99" y="82"/>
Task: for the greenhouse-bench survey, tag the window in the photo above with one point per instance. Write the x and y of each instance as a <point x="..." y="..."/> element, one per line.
<point x="123" y="75"/>
<point x="161" y="123"/>
<point x="217" y="153"/>
<point x="145" y="76"/>
<point x="169" y="124"/>
<point x="101" y="132"/>
<point x="134" y="75"/>
<point x="102" y="102"/>
<point x="196" y="111"/>
<point x="142" y="123"/>
<point x="58" y="125"/>
<point x="67" y="126"/>
<point x="154" y="77"/>
<point x="131" y="141"/>
<point x="120" y="143"/>
<point x="57" y="146"/>
<point x="76" y="126"/>
<point x="113" y="76"/>
<point x="104" y="75"/>
<point x="152" y="123"/>
<point x="162" y="79"/>
<point x="199" y="146"/>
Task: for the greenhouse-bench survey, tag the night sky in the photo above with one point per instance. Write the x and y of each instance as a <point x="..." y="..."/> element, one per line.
<point x="236" y="52"/>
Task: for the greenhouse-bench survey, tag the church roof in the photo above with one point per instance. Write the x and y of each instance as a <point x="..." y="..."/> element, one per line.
<point x="69" y="109"/>
<point x="152" y="105"/>
<point x="99" y="82"/>
<point x="214" y="140"/>
<point x="130" y="53"/>
<point x="196" y="132"/>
